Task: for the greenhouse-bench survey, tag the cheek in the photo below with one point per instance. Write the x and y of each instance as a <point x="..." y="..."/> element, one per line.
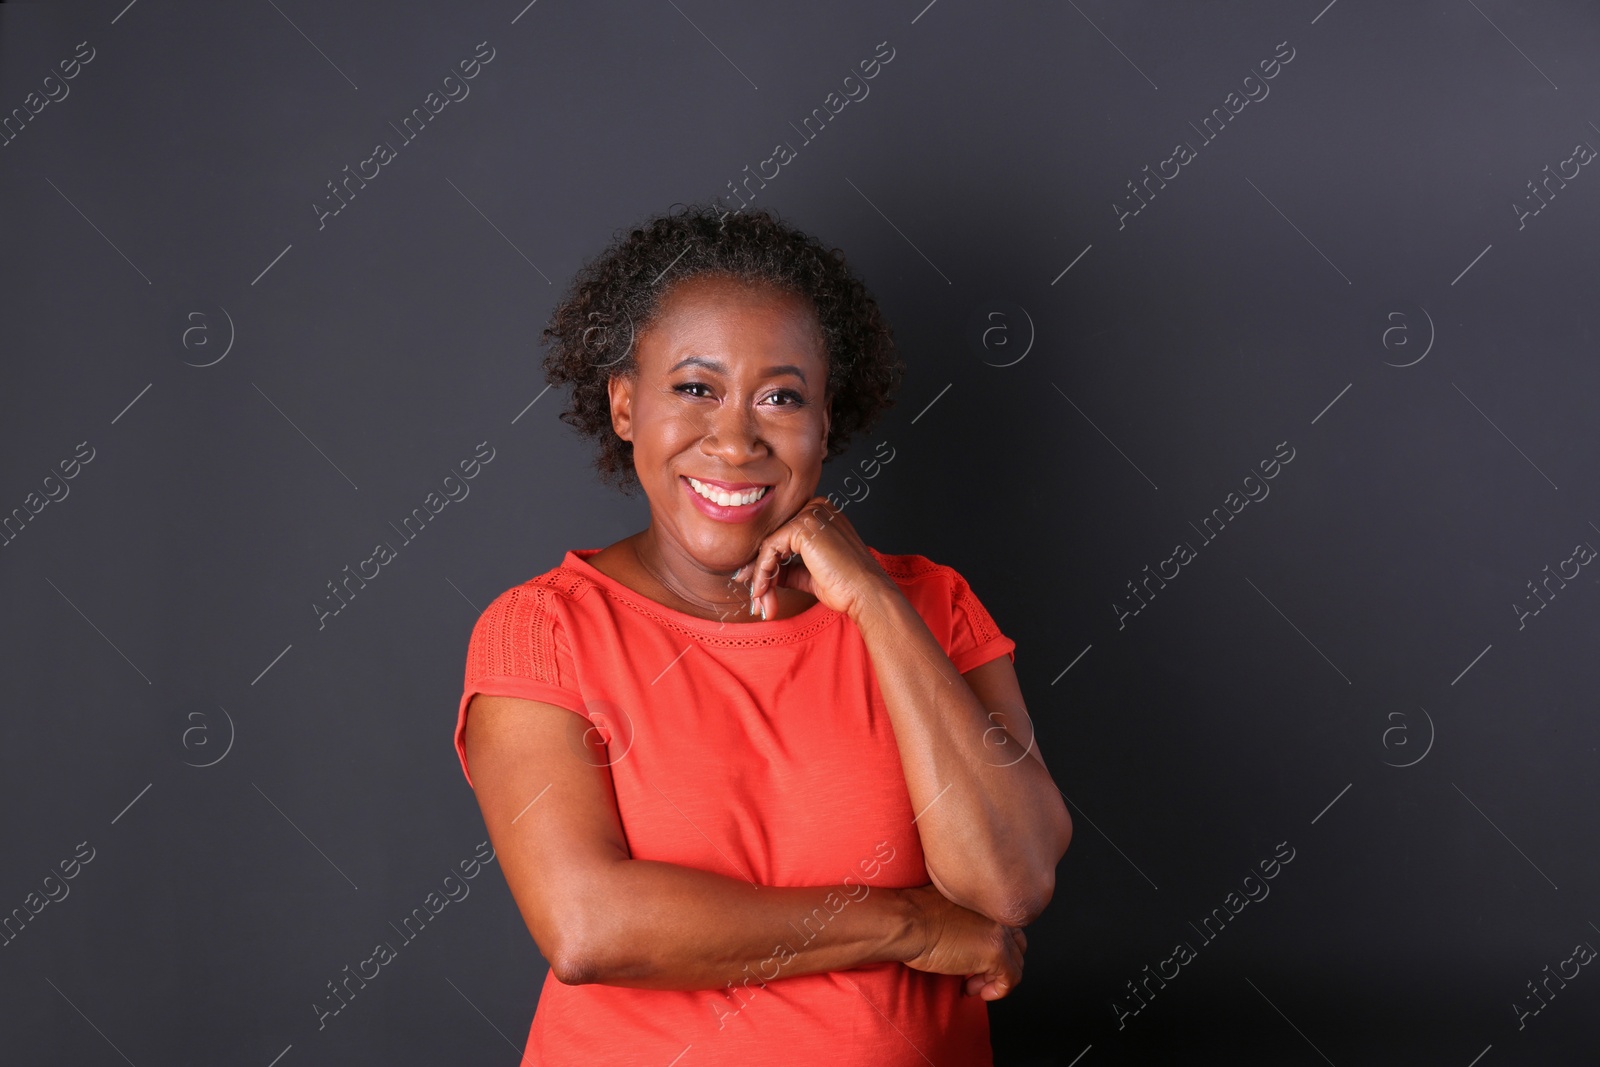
<point x="660" y="429"/>
<point x="801" y="446"/>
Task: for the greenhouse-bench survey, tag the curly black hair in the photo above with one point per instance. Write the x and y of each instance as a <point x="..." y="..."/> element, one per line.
<point x="617" y="294"/>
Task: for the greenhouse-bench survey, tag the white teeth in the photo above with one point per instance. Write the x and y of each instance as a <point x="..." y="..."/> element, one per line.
<point x="726" y="499"/>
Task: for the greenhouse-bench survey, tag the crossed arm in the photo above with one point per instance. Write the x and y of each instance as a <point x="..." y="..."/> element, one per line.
<point x="599" y="916"/>
<point x="992" y="822"/>
<point x="991" y="839"/>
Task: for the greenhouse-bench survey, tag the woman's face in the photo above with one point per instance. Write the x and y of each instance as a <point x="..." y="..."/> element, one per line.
<point x="730" y="391"/>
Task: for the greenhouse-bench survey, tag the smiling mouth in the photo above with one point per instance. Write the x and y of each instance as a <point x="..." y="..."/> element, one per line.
<point x="727" y="498"/>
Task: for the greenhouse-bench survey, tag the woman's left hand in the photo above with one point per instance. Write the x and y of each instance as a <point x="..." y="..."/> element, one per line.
<point x="817" y="551"/>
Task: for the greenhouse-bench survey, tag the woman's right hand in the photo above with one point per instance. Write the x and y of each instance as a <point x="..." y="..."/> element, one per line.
<point x="957" y="940"/>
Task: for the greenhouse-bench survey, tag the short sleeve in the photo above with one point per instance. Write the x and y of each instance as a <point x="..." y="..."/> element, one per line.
<point x="975" y="639"/>
<point x="519" y="648"/>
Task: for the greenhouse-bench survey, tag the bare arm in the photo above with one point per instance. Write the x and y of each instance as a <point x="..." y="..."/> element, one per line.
<point x="600" y="916"/>
<point x="992" y="823"/>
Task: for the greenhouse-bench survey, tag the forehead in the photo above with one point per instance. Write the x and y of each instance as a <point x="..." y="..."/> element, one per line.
<point x="730" y="316"/>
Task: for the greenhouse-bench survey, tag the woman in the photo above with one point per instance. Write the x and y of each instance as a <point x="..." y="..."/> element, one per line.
<point x="761" y="792"/>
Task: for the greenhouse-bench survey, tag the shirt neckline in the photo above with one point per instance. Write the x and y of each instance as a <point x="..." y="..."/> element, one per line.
<point x="577" y="559"/>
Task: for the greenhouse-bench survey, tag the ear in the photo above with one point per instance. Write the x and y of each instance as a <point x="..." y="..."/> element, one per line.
<point x="620" y="389"/>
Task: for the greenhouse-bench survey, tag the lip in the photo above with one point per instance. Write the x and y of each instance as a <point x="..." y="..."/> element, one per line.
<point x="737" y="513"/>
<point x="731" y="487"/>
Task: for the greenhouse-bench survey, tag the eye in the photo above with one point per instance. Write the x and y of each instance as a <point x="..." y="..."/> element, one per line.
<point x="691" y="385"/>
<point x="795" y="398"/>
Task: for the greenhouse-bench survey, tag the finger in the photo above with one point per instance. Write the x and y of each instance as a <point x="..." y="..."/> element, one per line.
<point x="770" y="564"/>
<point x="996" y="989"/>
<point x="766" y="570"/>
<point x="786" y="546"/>
<point x="765" y="567"/>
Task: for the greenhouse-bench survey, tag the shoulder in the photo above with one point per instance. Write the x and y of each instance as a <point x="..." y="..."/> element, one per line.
<point x="914" y="572"/>
<point x="930" y="586"/>
<point x="947" y="603"/>
<point x="537" y="601"/>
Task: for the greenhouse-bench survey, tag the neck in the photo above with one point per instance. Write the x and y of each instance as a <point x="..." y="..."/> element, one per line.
<point x="708" y="592"/>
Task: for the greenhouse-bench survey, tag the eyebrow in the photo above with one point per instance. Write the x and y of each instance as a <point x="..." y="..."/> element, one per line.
<point x="713" y="365"/>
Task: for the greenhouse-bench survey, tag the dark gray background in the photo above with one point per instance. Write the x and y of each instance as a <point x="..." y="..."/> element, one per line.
<point x="1363" y="614"/>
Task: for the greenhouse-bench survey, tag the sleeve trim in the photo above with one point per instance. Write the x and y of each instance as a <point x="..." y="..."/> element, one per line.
<point x="978" y="656"/>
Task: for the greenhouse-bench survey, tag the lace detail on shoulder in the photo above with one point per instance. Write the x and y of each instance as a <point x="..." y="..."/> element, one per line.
<point x="910" y="568"/>
<point x="516" y="635"/>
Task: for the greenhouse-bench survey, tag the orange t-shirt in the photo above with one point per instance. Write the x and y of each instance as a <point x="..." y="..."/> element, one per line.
<point x="758" y="750"/>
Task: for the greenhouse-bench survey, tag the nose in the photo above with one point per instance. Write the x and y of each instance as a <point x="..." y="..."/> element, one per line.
<point x="732" y="434"/>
